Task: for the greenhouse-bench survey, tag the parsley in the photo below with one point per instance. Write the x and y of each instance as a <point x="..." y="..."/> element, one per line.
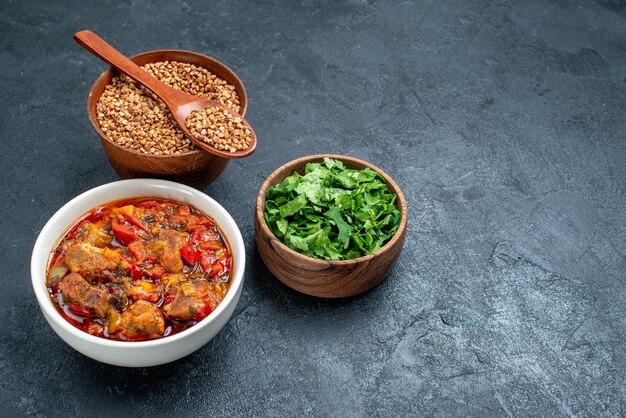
<point x="332" y="212"/>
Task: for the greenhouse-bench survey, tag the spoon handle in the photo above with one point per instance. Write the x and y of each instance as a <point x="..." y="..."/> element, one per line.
<point x="101" y="49"/>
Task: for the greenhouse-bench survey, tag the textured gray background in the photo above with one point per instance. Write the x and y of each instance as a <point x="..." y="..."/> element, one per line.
<point x="502" y="121"/>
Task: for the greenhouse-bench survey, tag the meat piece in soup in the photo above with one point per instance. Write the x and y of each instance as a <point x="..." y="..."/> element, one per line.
<point x="77" y="291"/>
<point x="194" y="299"/>
<point x="167" y="247"/>
<point x="142" y="320"/>
<point x="92" y="262"/>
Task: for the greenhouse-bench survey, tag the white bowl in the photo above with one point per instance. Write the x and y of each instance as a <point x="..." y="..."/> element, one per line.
<point x="141" y="353"/>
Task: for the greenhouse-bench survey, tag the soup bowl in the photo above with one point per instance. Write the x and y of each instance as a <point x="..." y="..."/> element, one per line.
<point x="136" y="353"/>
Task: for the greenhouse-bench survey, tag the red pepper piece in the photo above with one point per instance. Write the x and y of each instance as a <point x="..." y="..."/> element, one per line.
<point x="203" y="312"/>
<point x="206" y="222"/>
<point x="138" y="250"/>
<point x="169" y="298"/>
<point x="136" y="272"/>
<point x="189" y="255"/>
<point x="148" y="204"/>
<point x="125" y="234"/>
<point x="79" y="310"/>
<point x="196" y="236"/>
<point x="96" y="214"/>
<point x="206" y="261"/>
<point x="210" y="245"/>
<point x="216" y="269"/>
<point x="133" y="221"/>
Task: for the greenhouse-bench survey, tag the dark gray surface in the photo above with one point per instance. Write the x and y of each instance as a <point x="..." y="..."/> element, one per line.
<point x="504" y="125"/>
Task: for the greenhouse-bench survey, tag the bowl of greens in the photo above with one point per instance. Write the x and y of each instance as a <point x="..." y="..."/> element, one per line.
<point x="330" y="225"/>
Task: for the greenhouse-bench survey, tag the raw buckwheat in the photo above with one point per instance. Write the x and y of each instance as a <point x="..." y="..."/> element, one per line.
<point x="130" y="115"/>
<point x="219" y="128"/>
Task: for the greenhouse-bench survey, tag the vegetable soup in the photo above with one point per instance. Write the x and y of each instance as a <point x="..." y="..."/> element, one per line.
<point x="139" y="269"/>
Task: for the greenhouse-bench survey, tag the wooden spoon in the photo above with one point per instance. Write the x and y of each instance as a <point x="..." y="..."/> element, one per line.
<point x="180" y="104"/>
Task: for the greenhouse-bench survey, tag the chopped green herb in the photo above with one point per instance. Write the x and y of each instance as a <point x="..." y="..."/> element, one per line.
<point x="332" y="212"/>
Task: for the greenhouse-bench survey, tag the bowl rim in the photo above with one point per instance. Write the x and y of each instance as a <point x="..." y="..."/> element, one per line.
<point x="47" y="306"/>
<point x="260" y="209"/>
<point x="94" y="121"/>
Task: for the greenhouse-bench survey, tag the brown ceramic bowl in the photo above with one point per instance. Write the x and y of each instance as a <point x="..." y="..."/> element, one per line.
<point x="196" y="168"/>
<point x="326" y="278"/>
